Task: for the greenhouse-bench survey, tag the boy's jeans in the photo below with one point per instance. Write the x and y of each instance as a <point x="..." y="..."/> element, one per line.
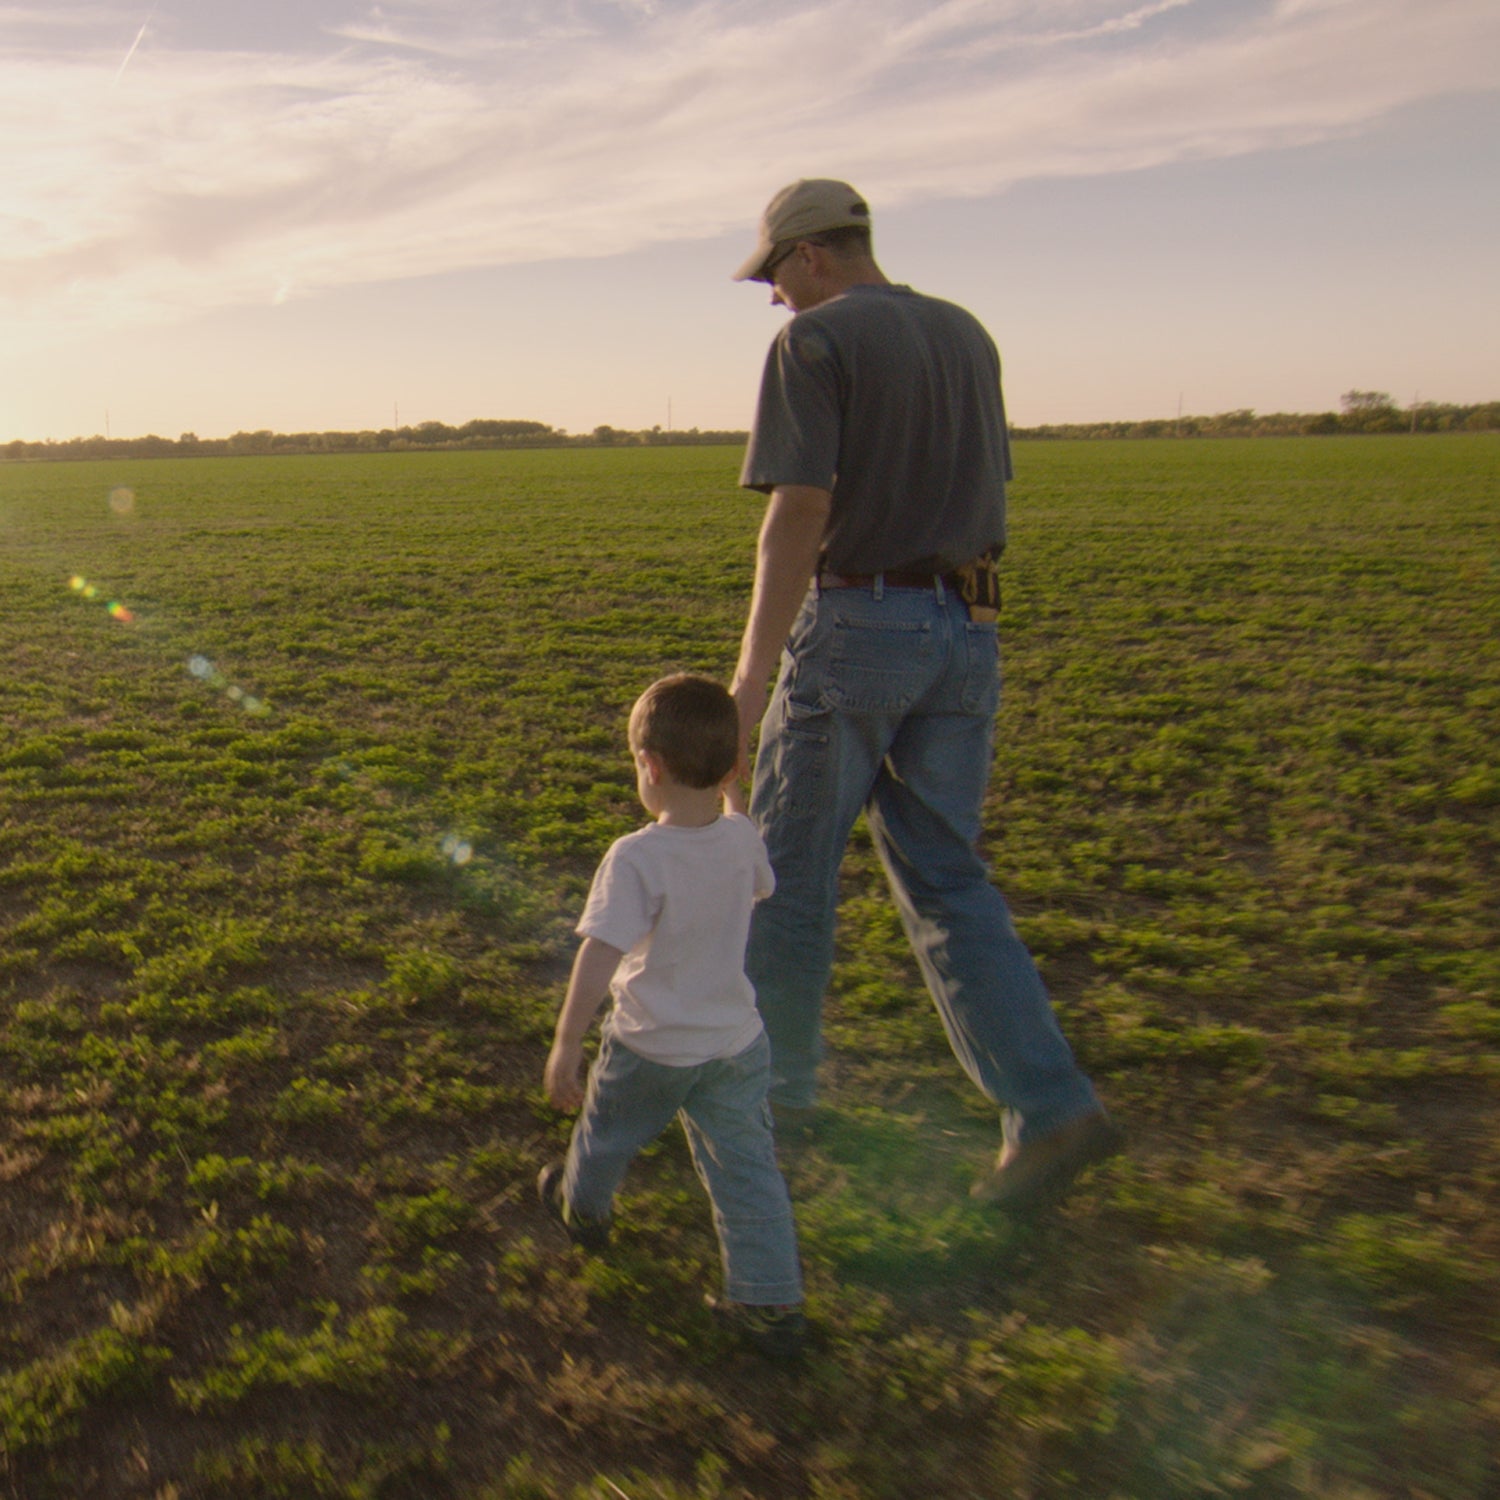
<point x="631" y="1100"/>
<point x="886" y="701"/>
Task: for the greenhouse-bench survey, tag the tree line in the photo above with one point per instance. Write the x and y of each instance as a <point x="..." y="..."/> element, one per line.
<point x="1359" y="412"/>
<point x="424" y="437"/>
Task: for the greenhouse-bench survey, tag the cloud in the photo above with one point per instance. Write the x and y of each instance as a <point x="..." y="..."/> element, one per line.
<point x="420" y="139"/>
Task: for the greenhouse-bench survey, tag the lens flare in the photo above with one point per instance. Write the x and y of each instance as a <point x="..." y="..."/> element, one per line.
<point x="460" y="851"/>
<point x="122" y="500"/>
<point x="197" y="664"/>
<point x="206" y="672"/>
<point x="112" y="607"/>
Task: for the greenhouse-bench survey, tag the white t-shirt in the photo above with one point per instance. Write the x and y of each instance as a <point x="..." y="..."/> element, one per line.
<point x="677" y="902"/>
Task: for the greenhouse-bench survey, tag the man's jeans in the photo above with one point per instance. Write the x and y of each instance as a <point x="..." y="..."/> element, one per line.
<point x="886" y="701"/>
<point x="631" y="1100"/>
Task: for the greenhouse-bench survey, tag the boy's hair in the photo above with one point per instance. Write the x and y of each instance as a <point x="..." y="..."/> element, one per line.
<point x="692" y="723"/>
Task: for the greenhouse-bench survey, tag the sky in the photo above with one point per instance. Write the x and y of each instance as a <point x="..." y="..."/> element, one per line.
<point x="326" y="214"/>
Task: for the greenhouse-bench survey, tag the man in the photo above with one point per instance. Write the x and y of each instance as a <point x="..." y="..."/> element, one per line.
<point x="880" y="437"/>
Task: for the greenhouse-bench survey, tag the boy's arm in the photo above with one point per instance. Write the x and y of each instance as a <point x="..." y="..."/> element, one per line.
<point x="593" y="968"/>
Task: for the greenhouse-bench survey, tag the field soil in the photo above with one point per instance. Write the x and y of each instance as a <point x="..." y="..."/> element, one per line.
<point x="305" y="764"/>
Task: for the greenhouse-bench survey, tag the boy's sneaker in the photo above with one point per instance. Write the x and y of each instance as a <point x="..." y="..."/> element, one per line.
<point x="590" y="1234"/>
<point x="778" y="1333"/>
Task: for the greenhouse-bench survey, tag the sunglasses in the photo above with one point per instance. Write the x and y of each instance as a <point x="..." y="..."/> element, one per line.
<point x="768" y="271"/>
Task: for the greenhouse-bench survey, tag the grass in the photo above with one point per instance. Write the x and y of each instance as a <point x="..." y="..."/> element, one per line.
<point x="306" y="764"/>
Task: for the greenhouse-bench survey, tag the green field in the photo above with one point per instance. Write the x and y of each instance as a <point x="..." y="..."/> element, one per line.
<point x="291" y="844"/>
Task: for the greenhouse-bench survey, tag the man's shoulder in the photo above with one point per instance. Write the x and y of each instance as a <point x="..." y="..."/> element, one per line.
<point x="859" y="303"/>
<point x="874" y="307"/>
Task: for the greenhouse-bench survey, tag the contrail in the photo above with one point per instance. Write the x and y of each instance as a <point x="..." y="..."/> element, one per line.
<point x="136" y="43"/>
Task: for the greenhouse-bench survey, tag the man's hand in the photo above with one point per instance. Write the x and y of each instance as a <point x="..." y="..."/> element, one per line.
<point x="564" y="1076"/>
<point x="750" y="700"/>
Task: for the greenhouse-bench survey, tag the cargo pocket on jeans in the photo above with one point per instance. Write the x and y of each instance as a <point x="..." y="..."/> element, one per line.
<point x="799" y="753"/>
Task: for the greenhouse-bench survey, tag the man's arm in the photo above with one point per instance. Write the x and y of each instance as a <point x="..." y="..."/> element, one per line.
<point x="593" y="968"/>
<point x="791" y="537"/>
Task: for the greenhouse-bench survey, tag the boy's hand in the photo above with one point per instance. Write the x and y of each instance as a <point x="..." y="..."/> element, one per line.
<point x="564" y="1076"/>
<point x="593" y="968"/>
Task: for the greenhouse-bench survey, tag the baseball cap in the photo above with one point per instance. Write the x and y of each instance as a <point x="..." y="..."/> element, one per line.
<point x="808" y="207"/>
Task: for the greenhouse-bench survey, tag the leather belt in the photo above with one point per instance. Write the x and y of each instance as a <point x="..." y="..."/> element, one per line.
<point x="889" y="580"/>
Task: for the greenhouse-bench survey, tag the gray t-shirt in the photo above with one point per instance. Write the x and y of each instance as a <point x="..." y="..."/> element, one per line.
<point x="891" y="400"/>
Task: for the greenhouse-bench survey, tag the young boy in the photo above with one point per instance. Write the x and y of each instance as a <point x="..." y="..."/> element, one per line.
<point x="664" y="932"/>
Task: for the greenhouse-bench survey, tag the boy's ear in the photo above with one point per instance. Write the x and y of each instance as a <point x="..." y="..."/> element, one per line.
<point x="651" y="763"/>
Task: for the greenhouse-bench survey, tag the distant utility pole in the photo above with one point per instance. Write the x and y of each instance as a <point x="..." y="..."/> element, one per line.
<point x="395" y="414"/>
<point x="669" y="413"/>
